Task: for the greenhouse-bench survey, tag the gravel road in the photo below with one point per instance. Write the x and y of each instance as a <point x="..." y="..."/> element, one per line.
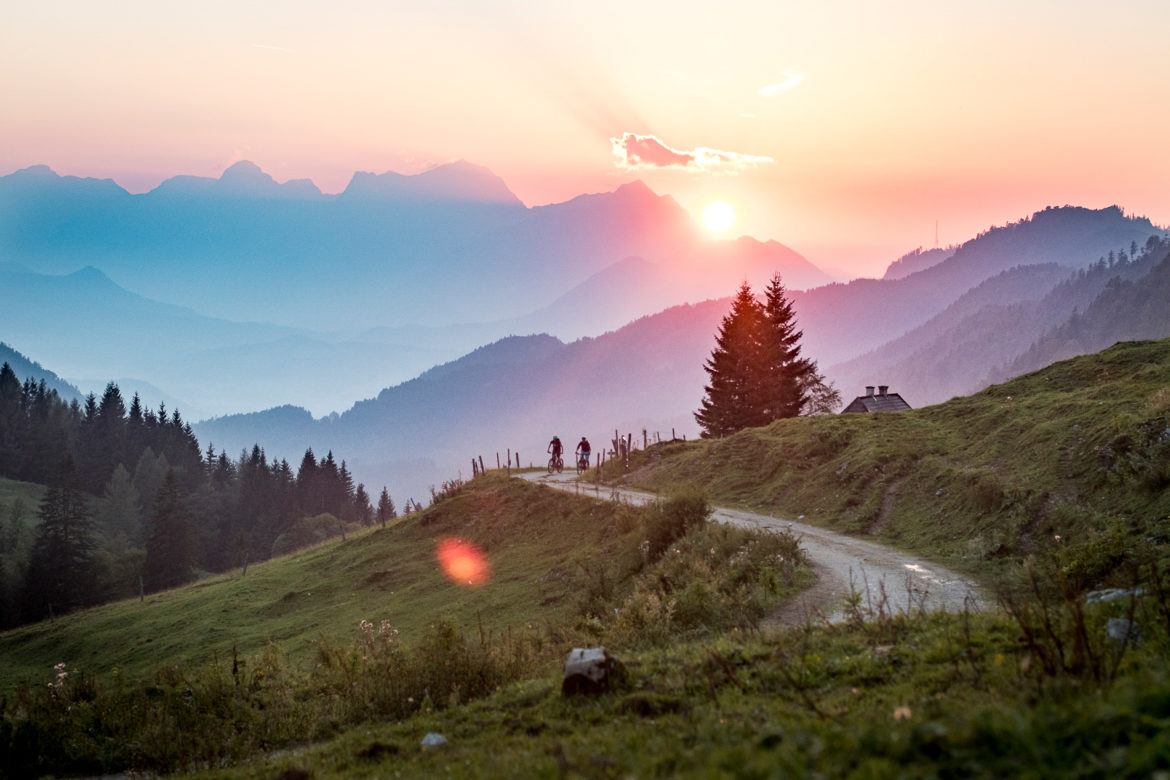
<point x="885" y="576"/>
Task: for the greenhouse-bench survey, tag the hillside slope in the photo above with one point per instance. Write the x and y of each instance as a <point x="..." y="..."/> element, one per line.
<point x="974" y="483"/>
<point x="981" y="336"/>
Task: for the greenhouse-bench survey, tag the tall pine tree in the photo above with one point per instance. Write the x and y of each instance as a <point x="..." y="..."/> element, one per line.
<point x="61" y="567"/>
<point x="170" y="548"/>
<point x="731" y="400"/>
<point x="386" y="510"/>
<point x="788" y="376"/>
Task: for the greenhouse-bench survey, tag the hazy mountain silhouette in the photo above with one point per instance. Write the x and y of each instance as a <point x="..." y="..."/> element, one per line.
<point x="246" y="247"/>
<point x="518" y="392"/>
<point x="918" y="260"/>
<point x="988" y="334"/>
<point x="28" y="369"/>
<point x="98" y="329"/>
<point x="841" y="321"/>
<point x="515" y="393"/>
<point x="1132" y="306"/>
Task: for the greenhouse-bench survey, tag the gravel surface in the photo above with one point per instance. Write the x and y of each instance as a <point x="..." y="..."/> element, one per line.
<point x="887" y="578"/>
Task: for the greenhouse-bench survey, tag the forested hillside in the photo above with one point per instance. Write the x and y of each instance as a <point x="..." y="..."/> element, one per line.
<point x="979" y="337"/>
<point x="132" y="504"/>
<point x="1132" y="306"/>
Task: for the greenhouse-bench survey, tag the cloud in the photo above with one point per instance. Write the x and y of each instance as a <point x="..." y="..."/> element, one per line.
<point x="268" y="47"/>
<point x="638" y="152"/>
<point x="790" y="80"/>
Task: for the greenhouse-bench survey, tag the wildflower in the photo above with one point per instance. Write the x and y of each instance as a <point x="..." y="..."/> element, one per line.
<point x="902" y="713"/>
<point x="1056" y="537"/>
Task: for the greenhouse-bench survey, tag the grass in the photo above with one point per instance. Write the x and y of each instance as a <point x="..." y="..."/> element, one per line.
<point x="530" y="536"/>
<point x="566" y="571"/>
<point x="892" y="698"/>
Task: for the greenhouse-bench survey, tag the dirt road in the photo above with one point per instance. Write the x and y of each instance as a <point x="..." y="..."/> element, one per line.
<point x="843" y="564"/>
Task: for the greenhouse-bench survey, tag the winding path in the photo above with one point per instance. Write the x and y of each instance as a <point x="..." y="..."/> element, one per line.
<point x="887" y="578"/>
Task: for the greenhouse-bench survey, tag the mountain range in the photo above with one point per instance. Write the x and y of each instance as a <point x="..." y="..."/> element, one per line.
<point x="243" y="247"/>
<point x="242" y="293"/>
<point x="515" y="393"/>
<point x="472" y="324"/>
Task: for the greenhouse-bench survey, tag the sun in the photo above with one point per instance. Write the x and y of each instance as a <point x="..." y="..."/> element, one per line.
<point x="718" y="216"/>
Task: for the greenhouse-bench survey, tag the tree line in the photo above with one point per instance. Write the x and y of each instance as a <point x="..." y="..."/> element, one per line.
<point x="132" y="503"/>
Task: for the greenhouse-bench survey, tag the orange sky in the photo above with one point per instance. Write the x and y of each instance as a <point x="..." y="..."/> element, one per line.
<point x="843" y="129"/>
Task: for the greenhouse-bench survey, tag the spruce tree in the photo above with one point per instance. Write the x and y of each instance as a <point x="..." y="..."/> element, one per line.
<point x="386" y="509"/>
<point x="788" y="377"/>
<point x="61" y="567"/>
<point x="119" y="512"/>
<point x="170" y="549"/>
<point x="363" y="510"/>
<point x="731" y="400"/>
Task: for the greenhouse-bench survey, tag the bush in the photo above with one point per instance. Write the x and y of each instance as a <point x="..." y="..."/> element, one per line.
<point x="673" y="518"/>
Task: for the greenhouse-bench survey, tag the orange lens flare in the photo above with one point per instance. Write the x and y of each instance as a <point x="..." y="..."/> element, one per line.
<point x="463" y="562"/>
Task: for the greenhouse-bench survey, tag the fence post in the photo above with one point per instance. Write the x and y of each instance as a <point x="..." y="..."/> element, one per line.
<point x="474" y="469"/>
<point x="481" y="468"/>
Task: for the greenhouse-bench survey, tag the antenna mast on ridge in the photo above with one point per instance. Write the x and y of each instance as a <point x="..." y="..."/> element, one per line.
<point x="936" y="234"/>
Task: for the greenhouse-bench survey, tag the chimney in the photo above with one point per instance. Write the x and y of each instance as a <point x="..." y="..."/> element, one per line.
<point x="869" y="391"/>
<point x="882" y="389"/>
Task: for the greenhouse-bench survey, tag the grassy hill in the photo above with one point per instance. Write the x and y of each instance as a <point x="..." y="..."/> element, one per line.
<point x="1061" y="681"/>
<point x="979" y="482"/>
<point x="325" y="592"/>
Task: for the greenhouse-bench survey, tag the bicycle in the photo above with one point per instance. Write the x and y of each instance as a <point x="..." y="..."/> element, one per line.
<point x="582" y="464"/>
<point x="556" y="463"/>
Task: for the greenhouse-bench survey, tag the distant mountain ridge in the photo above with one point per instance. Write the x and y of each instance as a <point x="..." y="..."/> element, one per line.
<point x="648" y="374"/>
<point x="984" y="336"/>
<point x="28" y="369"/>
<point x="841" y="321"/>
<point x="917" y="260"/>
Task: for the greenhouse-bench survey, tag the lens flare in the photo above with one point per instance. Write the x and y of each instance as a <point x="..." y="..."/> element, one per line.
<point x="462" y="562"/>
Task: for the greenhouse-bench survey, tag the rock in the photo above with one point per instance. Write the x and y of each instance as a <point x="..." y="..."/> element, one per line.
<point x="433" y="740"/>
<point x="1119" y="629"/>
<point x="1111" y="594"/>
<point x="591" y="671"/>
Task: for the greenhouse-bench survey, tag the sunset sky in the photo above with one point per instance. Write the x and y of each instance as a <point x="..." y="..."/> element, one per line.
<point x="842" y="129"/>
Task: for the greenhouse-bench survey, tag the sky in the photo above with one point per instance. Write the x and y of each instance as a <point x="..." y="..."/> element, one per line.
<point x="845" y="130"/>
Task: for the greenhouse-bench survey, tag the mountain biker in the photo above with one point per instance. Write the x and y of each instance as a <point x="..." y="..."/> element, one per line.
<point x="555" y="447"/>
<point x="583" y="450"/>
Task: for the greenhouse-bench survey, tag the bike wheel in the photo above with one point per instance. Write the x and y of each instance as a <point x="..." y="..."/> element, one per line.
<point x="552" y="464"/>
<point x="582" y="465"/>
<point x="560" y="465"/>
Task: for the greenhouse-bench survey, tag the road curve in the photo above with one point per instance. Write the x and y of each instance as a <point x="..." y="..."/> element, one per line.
<point x="887" y="578"/>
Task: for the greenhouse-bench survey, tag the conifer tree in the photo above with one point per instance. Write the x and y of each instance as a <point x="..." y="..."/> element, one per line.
<point x="788" y="376"/>
<point x="386" y="509"/>
<point x="119" y="512"/>
<point x="757" y="374"/>
<point x="363" y="509"/>
<point x="731" y="400"/>
<point x="61" y="567"/>
<point x="170" y="550"/>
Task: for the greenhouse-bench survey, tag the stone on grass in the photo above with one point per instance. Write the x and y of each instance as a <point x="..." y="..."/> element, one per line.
<point x="591" y="671"/>
<point x="433" y="740"/>
<point x="1121" y="629"/>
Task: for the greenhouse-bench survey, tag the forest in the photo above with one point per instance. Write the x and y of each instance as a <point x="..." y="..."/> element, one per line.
<point x="118" y="502"/>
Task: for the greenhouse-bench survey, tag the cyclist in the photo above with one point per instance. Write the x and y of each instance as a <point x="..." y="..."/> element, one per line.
<point x="555" y="447"/>
<point x="584" y="451"/>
